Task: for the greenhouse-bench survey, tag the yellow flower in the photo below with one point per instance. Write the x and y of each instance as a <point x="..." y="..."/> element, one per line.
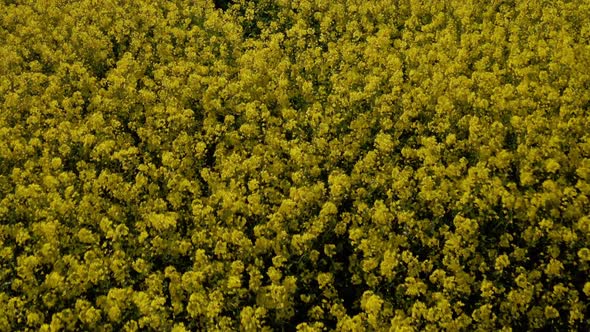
<point x="502" y="262"/>
<point x="324" y="279"/>
<point x="487" y="288"/>
<point x="552" y="166"/>
<point x="584" y="254"/>
<point x="551" y="312"/>
<point x="372" y="303"/>
<point x="554" y="267"/>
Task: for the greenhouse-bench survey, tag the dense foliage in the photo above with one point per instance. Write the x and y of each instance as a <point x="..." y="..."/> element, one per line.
<point x="348" y="165"/>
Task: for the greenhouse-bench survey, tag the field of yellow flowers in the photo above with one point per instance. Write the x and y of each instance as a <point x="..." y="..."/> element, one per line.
<point x="294" y="165"/>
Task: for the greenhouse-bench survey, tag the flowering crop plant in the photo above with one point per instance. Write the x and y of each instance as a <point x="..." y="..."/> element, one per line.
<point x="294" y="165"/>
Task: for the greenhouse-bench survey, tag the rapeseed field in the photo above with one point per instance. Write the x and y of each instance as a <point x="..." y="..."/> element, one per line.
<point x="294" y="165"/>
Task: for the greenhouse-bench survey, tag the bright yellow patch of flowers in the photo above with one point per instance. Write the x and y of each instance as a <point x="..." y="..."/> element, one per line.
<point x="311" y="165"/>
